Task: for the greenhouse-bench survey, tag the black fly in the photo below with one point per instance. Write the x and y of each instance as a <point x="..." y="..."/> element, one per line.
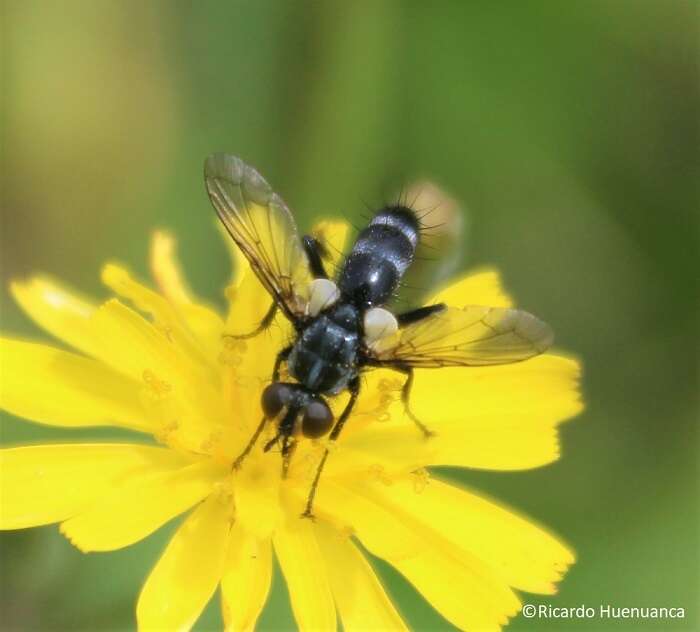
<point x="342" y="326"/>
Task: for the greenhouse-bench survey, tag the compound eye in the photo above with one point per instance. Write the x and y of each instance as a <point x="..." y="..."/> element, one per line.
<point x="317" y="420"/>
<point x="274" y="398"/>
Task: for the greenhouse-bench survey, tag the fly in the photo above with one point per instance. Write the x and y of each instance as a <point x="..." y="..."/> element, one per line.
<point x="342" y="326"/>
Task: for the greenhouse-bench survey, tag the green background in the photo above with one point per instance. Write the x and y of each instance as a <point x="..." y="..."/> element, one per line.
<point x="568" y="129"/>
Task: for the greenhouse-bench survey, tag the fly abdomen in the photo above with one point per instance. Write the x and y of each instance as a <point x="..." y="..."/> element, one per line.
<point x="382" y="253"/>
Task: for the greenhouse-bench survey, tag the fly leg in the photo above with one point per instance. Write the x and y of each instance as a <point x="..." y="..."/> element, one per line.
<point x="414" y="315"/>
<point x="406" y="395"/>
<point x="241" y="457"/>
<point x="288" y="446"/>
<point x="408" y="318"/>
<point x="281" y="357"/>
<point x="262" y="325"/>
<point x="354" y="387"/>
<point x="315" y="252"/>
<point x="276" y="439"/>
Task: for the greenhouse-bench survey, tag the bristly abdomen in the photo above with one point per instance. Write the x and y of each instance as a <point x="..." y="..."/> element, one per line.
<point x="380" y="257"/>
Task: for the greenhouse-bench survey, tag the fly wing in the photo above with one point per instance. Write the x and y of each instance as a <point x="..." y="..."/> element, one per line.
<point x="471" y="336"/>
<point x="260" y="223"/>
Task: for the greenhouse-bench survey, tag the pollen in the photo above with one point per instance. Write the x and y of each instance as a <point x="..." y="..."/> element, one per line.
<point x="158" y="389"/>
<point x="389" y="393"/>
<point x="421" y="480"/>
<point x="167" y="434"/>
<point x="248" y="381"/>
<point x="387" y="384"/>
<point x="223" y="492"/>
<point x="209" y="445"/>
<point x="379" y="474"/>
<point x="233" y="351"/>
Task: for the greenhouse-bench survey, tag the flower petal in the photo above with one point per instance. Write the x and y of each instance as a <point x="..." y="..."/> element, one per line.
<point x="49" y="483"/>
<point x="60" y="388"/>
<point x="360" y="597"/>
<point x="137" y="348"/>
<point x="501" y="417"/>
<point x="494" y="445"/>
<point x="141" y="505"/>
<point x="187" y="574"/>
<point x="248" y="363"/>
<point x="203" y="322"/>
<point x="246" y="581"/>
<point x="166" y="269"/>
<point x="164" y="313"/>
<point x="333" y="234"/>
<point x="57" y="310"/>
<point x="524" y="555"/>
<point x="249" y="301"/>
<point x="130" y="344"/>
<point x="481" y="287"/>
<point x="543" y="388"/>
<point x="305" y="572"/>
<point x="459" y="586"/>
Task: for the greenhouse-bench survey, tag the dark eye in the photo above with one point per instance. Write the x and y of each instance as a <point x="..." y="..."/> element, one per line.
<point x="274" y="398"/>
<point x="317" y="420"/>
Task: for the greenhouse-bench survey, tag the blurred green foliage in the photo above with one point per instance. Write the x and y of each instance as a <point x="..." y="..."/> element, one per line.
<point x="569" y="130"/>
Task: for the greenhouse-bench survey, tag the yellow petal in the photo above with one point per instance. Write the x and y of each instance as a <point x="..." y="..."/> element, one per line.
<point x="48" y="483"/>
<point x="494" y="445"/>
<point x="143" y="298"/>
<point x="187" y="574"/>
<point x="544" y="388"/>
<point x="524" y="555"/>
<point x="131" y="344"/>
<point x="249" y="301"/>
<point x="257" y="492"/>
<point x="64" y="389"/>
<point x="333" y="234"/>
<point x="166" y="269"/>
<point x="59" y="311"/>
<point x="501" y="418"/>
<point x="249" y="362"/>
<point x="139" y="506"/>
<point x="304" y="570"/>
<point x="135" y="347"/>
<point x="467" y="595"/>
<point x="481" y="287"/>
<point x="459" y="586"/>
<point x="165" y="314"/>
<point x="360" y="597"/>
<point x="204" y="323"/>
<point x="206" y="326"/>
<point x="246" y="581"/>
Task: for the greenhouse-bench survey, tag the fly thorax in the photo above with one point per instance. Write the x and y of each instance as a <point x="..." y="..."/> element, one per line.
<point x="324" y="357"/>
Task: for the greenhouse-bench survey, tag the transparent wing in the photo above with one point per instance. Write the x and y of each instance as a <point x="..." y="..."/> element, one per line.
<point x="260" y="223"/>
<point x="472" y="336"/>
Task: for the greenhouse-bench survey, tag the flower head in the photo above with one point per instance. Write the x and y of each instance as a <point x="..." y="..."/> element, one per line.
<point x="158" y="362"/>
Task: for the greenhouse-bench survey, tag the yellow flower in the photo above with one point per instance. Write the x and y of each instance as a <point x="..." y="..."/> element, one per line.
<point x="158" y="363"/>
